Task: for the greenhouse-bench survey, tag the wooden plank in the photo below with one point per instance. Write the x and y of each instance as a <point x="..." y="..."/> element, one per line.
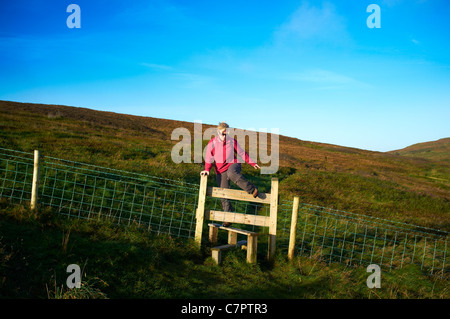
<point x="273" y="219"/>
<point x="293" y="228"/>
<point x="214" y="225"/>
<point x="229" y="246"/>
<point x="238" y="218"/>
<point x="201" y="209"/>
<point x="236" y="194"/>
<point x="232" y="229"/>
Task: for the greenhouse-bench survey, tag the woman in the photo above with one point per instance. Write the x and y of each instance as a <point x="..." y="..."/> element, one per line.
<point x="222" y="152"/>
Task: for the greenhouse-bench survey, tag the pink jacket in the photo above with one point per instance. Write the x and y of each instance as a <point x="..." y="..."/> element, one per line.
<point x="223" y="154"/>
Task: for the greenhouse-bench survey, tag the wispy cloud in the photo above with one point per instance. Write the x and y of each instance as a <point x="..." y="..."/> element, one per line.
<point x="182" y="77"/>
<point x="315" y="24"/>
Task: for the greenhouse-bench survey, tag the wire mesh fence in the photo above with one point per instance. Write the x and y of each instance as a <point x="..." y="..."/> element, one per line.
<point x="167" y="206"/>
<point x="353" y="239"/>
<point x="90" y="192"/>
<point x="16" y="170"/>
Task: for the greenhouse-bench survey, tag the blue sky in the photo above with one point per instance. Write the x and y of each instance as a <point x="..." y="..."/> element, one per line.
<point x="312" y="69"/>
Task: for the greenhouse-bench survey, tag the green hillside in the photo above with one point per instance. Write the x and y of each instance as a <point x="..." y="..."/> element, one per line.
<point x="130" y="262"/>
<point x="407" y="189"/>
<point x="436" y="150"/>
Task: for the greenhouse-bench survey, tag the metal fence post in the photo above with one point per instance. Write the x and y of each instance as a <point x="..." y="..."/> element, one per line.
<point x="35" y="183"/>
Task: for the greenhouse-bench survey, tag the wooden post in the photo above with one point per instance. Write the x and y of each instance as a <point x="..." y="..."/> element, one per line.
<point x="232" y="238"/>
<point x="213" y="232"/>
<point x="201" y="209"/>
<point x="293" y="228"/>
<point x="252" y="248"/>
<point x="273" y="219"/>
<point x="216" y="255"/>
<point x="35" y="183"/>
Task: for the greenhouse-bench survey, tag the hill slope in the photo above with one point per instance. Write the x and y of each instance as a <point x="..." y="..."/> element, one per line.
<point x="386" y="185"/>
<point x="435" y="150"/>
<point x="132" y="263"/>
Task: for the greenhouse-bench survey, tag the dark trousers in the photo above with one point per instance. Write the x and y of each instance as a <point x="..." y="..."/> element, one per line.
<point x="233" y="174"/>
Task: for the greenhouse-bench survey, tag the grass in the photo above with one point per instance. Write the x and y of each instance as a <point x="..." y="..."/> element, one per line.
<point x="127" y="262"/>
<point x="437" y="150"/>
<point x="402" y="188"/>
<point x="362" y="194"/>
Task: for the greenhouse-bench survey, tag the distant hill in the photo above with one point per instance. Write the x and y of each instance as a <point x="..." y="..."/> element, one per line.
<point x="405" y="188"/>
<point x="436" y="150"/>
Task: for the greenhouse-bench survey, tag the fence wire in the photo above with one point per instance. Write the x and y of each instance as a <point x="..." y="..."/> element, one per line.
<point x="91" y="192"/>
<point x="167" y="206"/>
<point x="16" y="170"/>
<point x="338" y="236"/>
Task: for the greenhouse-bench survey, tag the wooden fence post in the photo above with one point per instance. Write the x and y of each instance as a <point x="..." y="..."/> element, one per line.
<point x="273" y="219"/>
<point x="200" y="214"/>
<point x="293" y="228"/>
<point x="252" y="248"/>
<point x="35" y="183"/>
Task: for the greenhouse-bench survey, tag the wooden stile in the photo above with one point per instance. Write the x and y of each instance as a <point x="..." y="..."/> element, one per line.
<point x="237" y="218"/>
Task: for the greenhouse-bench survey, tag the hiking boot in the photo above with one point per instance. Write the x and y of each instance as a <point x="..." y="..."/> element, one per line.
<point x="226" y="224"/>
<point x="255" y="193"/>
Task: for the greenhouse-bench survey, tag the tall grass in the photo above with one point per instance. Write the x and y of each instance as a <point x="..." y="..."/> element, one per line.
<point x="130" y="262"/>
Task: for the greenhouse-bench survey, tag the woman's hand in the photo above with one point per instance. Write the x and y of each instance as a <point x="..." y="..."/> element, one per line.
<point x="204" y="173"/>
